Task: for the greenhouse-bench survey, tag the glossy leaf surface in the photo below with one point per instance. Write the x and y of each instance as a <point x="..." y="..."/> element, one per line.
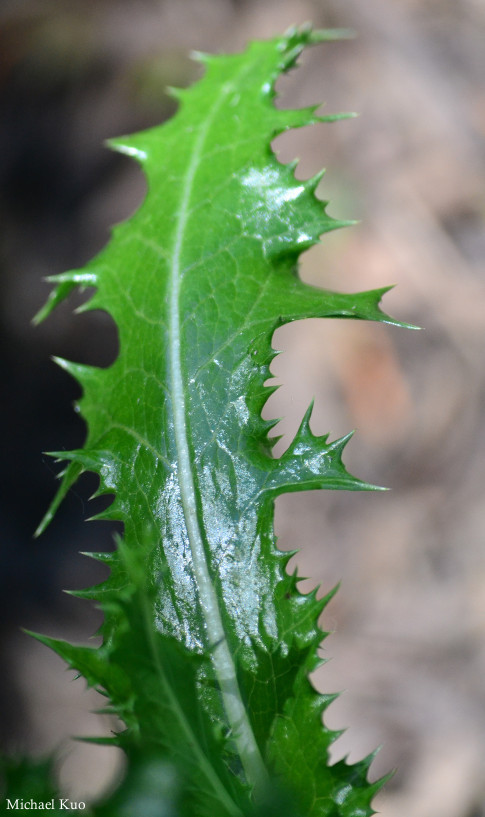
<point x="207" y="641"/>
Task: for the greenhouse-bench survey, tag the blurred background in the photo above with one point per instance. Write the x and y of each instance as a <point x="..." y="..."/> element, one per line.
<point x="408" y="624"/>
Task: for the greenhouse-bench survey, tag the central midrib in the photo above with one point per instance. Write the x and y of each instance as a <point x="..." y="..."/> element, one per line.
<point x="222" y="659"/>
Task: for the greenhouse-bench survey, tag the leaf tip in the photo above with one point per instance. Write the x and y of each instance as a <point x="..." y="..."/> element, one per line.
<point x="201" y="56"/>
<point x="56" y="296"/>
<point x="124" y="145"/>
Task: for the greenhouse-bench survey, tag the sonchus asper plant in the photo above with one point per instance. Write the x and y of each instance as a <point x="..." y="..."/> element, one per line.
<point x="207" y="643"/>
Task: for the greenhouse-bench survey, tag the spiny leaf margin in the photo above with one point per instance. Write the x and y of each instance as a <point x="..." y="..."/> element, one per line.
<point x="197" y="281"/>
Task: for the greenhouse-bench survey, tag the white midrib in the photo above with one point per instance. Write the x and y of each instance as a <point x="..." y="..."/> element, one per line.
<point x="224" y="667"/>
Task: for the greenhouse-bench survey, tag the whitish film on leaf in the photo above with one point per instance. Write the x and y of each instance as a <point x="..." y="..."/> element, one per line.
<point x="207" y="641"/>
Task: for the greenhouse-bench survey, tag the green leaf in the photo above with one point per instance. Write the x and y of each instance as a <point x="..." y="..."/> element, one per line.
<point x="207" y="641"/>
<point x="25" y="781"/>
